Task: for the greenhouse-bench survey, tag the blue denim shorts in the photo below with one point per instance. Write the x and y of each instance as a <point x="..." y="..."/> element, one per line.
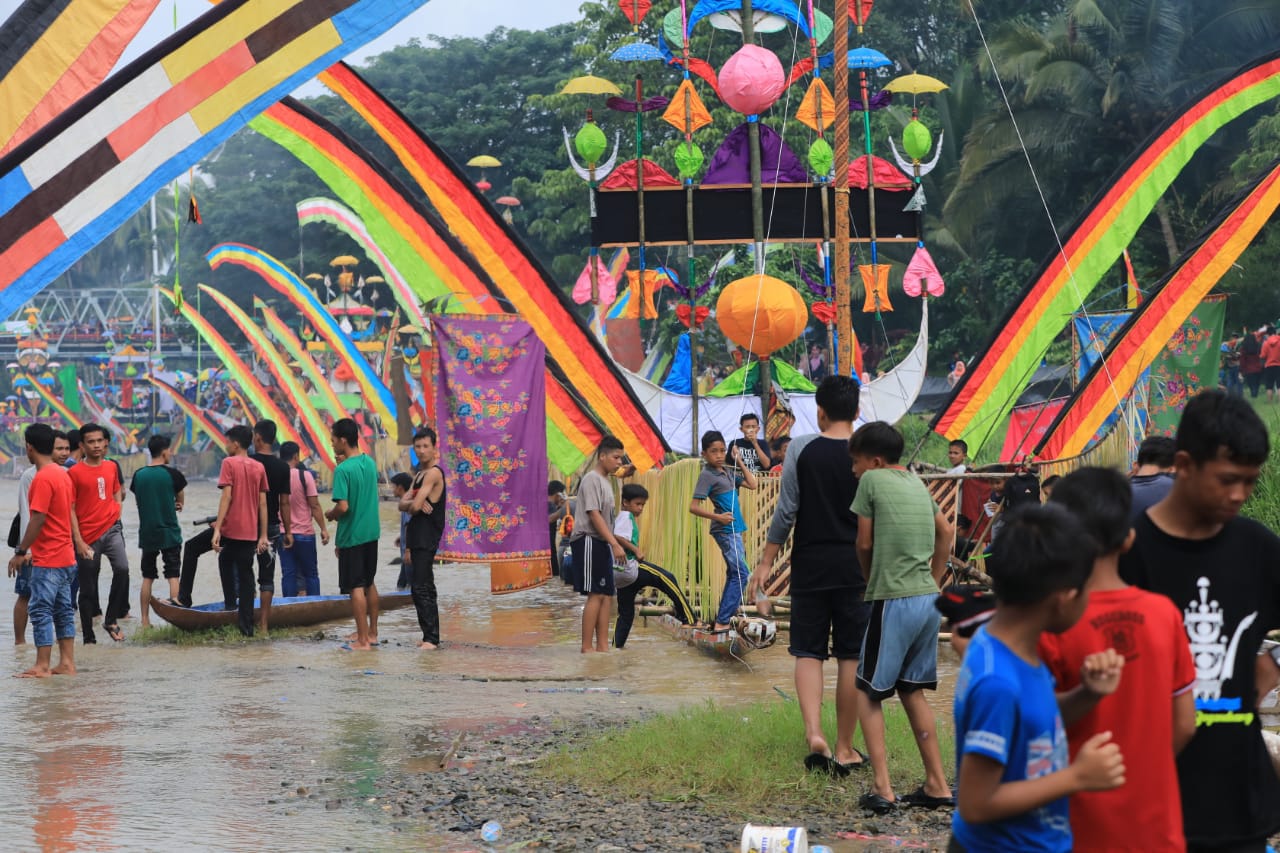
<point x="22" y="582"/>
<point x="900" y="650"/>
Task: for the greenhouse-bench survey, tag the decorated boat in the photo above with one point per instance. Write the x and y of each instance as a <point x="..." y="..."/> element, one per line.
<point x="299" y="612"/>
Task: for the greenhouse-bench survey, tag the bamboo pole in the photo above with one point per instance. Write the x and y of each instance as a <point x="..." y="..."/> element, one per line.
<point x="844" y="316"/>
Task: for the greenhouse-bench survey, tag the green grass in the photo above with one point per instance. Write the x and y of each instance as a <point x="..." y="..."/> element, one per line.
<point x="1264" y="505"/>
<point x="744" y="761"/>
<point x="228" y="635"/>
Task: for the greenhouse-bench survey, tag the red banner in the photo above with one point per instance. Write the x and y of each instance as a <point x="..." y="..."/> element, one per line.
<point x="1027" y="425"/>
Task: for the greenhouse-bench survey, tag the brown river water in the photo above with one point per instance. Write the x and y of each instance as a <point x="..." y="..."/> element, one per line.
<point x="162" y="747"/>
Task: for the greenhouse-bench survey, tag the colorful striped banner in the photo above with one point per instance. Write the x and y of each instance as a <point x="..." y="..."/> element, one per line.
<point x="988" y="390"/>
<point x="376" y="395"/>
<point x="530" y="289"/>
<point x="71" y="419"/>
<point x="82" y="175"/>
<point x="287" y="339"/>
<point x="250" y="387"/>
<point x="191" y="410"/>
<point x="67" y="47"/>
<point x="347" y="221"/>
<point x="1142" y="338"/>
<point x="311" y="419"/>
<point x="399" y="222"/>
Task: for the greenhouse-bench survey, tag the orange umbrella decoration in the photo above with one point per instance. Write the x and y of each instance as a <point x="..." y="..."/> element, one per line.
<point x="507" y="202"/>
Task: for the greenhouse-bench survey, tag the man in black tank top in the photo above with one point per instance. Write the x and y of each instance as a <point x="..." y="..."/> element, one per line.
<point x="425" y="503"/>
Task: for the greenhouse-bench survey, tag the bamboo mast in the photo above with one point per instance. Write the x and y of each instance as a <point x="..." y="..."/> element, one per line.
<point x="757" y="204"/>
<point x="823" y="181"/>
<point x="690" y="282"/>
<point x="844" y="315"/>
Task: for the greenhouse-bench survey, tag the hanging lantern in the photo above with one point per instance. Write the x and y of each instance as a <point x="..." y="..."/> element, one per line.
<point x="752" y="80"/>
<point x="761" y="313"/>
<point x="917" y="141"/>
<point x="590" y="143"/>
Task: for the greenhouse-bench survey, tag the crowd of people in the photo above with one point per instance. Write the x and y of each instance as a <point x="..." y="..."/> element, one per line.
<point x="69" y="522"/>
<point x="1110" y="679"/>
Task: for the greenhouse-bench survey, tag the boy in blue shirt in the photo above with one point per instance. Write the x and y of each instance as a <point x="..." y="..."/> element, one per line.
<point x="1011" y="745"/>
<point x="719" y="483"/>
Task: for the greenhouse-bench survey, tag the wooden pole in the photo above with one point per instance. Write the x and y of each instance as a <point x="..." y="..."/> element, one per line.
<point x="844" y="316"/>
<point x="753" y="133"/>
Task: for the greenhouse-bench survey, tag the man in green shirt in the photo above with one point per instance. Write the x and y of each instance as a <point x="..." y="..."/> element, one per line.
<point x="355" y="509"/>
<point x="903" y="543"/>
<point x="158" y="489"/>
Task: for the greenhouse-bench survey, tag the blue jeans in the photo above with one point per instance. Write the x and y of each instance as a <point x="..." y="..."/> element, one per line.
<point x="735" y="579"/>
<point x="299" y="570"/>
<point x="50" y="609"/>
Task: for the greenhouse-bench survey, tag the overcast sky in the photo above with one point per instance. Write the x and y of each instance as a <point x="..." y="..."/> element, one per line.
<point x="436" y="17"/>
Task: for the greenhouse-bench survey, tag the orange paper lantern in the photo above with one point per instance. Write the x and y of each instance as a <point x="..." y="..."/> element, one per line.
<point x="761" y="313"/>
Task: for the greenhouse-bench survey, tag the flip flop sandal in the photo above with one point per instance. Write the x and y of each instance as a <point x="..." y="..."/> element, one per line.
<point x="873" y="802"/>
<point x="919" y="799"/>
<point x="114" y="632"/>
<point x="816" y="762"/>
<point x="863" y="762"/>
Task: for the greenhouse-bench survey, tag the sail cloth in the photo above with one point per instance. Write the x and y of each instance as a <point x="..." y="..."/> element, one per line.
<point x="731" y="164"/>
<point x="53" y="52"/>
<point x="1187" y="365"/>
<point x="1156" y="320"/>
<point x="490" y="411"/>
<point x="995" y="380"/>
<point x="79" y="177"/>
<point x="517" y="274"/>
<point x="1027" y="426"/>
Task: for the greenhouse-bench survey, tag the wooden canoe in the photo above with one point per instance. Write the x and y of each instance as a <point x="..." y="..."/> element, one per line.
<point x="721" y="644"/>
<point x="299" y="612"/>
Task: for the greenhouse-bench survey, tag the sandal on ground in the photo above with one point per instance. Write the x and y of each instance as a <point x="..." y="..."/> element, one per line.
<point x="816" y="762"/>
<point x="114" y="632"/>
<point x="873" y="802"/>
<point x="920" y="800"/>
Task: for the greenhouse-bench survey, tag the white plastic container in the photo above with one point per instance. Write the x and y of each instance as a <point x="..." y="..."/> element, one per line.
<point x="774" y="839"/>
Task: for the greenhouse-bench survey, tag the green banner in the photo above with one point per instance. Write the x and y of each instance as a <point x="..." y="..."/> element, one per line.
<point x="70" y="387"/>
<point x="1188" y="365"/>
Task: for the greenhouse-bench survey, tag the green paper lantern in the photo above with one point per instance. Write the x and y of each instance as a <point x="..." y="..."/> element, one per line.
<point x="131" y="371"/>
<point x="821" y="157"/>
<point x="917" y="140"/>
<point x="591" y="143"/>
<point x="689" y="160"/>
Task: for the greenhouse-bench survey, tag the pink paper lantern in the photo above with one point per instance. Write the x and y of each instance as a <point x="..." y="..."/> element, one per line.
<point x="752" y="80"/>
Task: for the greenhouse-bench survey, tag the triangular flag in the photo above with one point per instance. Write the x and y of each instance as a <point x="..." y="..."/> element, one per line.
<point x="817" y="96"/>
<point x="917" y="202"/>
<point x="635" y="10"/>
<point x="875" y="279"/>
<point x="922" y="275"/>
<point x="687" y="105"/>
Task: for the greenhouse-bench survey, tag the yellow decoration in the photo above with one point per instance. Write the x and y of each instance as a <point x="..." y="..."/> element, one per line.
<point x="807" y="114"/>
<point x="875" y="280"/>
<point x="484" y="161"/>
<point x="589" y="84"/>
<point x="761" y="313"/>
<point x="653" y="280"/>
<point x="695" y="109"/>
<point x="915" y="84"/>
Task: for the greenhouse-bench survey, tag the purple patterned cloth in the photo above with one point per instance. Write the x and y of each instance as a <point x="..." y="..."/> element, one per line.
<point x="732" y="161"/>
<point x="491" y="415"/>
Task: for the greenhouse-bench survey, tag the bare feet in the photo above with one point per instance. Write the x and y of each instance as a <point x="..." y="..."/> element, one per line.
<point x="373" y="638"/>
<point x="425" y="645"/>
<point x="359" y="647"/>
<point x="35" y="672"/>
<point x="64" y="669"/>
<point x="144" y="625"/>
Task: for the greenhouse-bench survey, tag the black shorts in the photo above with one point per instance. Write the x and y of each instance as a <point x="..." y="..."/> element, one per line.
<point x="593" y="566"/>
<point x="830" y="623"/>
<point x="1271" y="378"/>
<point x="357" y="566"/>
<point x="172" y="558"/>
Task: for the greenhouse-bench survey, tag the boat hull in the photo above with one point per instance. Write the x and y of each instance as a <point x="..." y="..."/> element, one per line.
<point x="299" y="612"/>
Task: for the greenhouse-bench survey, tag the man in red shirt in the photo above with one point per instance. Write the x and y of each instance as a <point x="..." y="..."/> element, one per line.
<point x="97" y="532"/>
<point x="1271" y="365"/>
<point x="47" y="545"/>
<point x="240" y="530"/>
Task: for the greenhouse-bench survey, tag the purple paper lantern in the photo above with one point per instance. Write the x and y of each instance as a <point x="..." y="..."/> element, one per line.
<point x="752" y="80"/>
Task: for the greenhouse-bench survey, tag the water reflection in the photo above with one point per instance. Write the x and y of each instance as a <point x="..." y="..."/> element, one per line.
<point x="206" y="747"/>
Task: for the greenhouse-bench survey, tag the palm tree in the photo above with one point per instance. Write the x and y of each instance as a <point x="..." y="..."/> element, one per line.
<point x="1087" y="90"/>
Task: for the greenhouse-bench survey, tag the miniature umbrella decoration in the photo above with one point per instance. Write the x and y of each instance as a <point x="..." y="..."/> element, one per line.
<point x="763" y="22"/>
<point x="482" y="162"/>
<point x="637" y="52"/>
<point x="507" y="202"/>
<point x="591" y="143"/>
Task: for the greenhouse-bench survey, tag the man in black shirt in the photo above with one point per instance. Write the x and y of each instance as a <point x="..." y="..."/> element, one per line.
<point x="1223" y="572"/>
<point x="828" y="615"/>
<point x="279" y="514"/>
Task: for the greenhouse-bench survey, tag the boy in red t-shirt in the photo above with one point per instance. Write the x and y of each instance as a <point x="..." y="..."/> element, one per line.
<point x="240" y="530"/>
<point x="46" y="545"/>
<point x="1152" y="714"/>
<point x="97" y="532"/>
